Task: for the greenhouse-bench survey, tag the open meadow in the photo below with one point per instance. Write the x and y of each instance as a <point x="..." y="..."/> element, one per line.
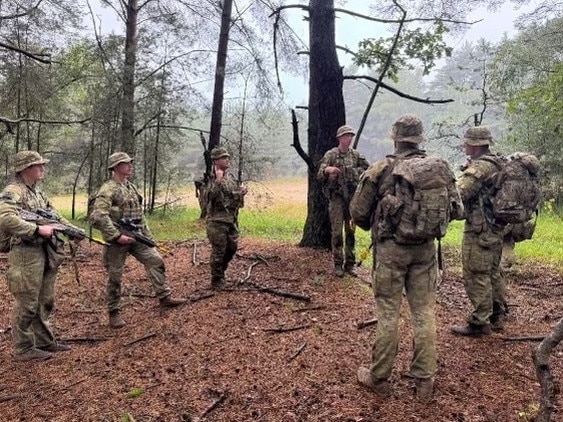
<point x="282" y="342"/>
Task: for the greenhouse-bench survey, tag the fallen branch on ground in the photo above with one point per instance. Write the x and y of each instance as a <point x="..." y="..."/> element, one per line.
<point x="83" y="339"/>
<point x="212" y="406"/>
<point x="146" y="336"/>
<point x="524" y="338"/>
<point x="366" y="323"/>
<point x="286" y="329"/>
<point x="297" y="352"/>
<point x="11" y="397"/>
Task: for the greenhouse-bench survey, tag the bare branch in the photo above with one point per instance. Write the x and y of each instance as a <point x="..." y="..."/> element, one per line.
<point x="397" y="92"/>
<point x="35" y="56"/>
<point x="380" y="20"/>
<point x="24" y="13"/>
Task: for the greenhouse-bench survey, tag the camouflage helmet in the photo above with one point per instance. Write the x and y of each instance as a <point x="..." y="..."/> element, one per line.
<point x="25" y="159"/>
<point x="343" y="130"/>
<point x="118" y="158"/>
<point x="408" y="128"/>
<point x="478" y="136"/>
<point x="219" y="152"/>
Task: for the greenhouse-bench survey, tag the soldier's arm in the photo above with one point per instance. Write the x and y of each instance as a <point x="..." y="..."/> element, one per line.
<point x="471" y="181"/>
<point x="325" y="162"/>
<point x="364" y="201"/>
<point x="100" y="216"/>
<point x="10" y="220"/>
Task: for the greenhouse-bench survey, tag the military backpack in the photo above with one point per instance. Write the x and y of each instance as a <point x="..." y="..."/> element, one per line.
<point x="515" y="192"/>
<point x="421" y="186"/>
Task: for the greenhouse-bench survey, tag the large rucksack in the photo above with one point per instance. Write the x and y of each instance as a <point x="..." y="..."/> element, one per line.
<point x="421" y="185"/>
<point x="515" y="190"/>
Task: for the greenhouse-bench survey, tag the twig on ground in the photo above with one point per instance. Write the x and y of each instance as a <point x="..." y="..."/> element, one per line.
<point x="366" y="323"/>
<point x="146" y="336"/>
<point x="286" y="329"/>
<point x="222" y="396"/>
<point x="524" y="338"/>
<point x="310" y="308"/>
<point x="297" y="352"/>
<point x="11" y="397"/>
<point x="194" y="255"/>
<point x="201" y="297"/>
<point x="249" y="271"/>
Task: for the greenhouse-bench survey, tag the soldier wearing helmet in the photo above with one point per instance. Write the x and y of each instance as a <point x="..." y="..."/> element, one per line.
<point x="340" y="171"/>
<point x="118" y="199"/>
<point x="401" y="264"/>
<point x="482" y="238"/>
<point x="34" y="256"/>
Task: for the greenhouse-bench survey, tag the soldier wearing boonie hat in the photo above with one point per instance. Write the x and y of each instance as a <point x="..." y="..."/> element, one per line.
<point x="340" y="171"/>
<point x="225" y="196"/>
<point x="118" y="199"/>
<point x="32" y="270"/>
<point x="482" y="239"/>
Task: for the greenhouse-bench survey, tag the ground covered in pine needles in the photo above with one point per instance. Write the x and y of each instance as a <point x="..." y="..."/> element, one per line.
<point x="281" y="343"/>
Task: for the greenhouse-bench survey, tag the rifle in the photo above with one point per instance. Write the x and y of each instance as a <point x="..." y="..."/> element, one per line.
<point x="129" y="227"/>
<point x="46" y="216"/>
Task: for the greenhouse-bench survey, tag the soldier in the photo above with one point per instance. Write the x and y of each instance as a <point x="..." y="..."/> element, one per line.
<point x="34" y="257"/>
<point x="225" y="197"/>
<point x="482" y="239"/>
<point x="340" y="171"/>
<point x="119" y="199"/>
<point x="402" y="264"/>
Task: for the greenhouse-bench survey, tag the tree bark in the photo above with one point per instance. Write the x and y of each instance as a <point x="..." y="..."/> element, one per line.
<point x="128" y="101"/>
<point x="326" y="114"/>
<point x="218" y="91"/>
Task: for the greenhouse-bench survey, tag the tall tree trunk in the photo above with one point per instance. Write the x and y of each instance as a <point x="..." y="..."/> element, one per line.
<point x="326" y="114"/>
<point x="128" y="101"/>
<point x="217" y="107"/>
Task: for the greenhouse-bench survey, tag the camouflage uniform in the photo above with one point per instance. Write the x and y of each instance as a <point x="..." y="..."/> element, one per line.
<point x="339" y="188"/>
<point x="30" y="275"/>
<point x="115" y="200"/>
<point x="399" y="266"/>
<point x="223" y="202"/>
<point x="481" y="245"/>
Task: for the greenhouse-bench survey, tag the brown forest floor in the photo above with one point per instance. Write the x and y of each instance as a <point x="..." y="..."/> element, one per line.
<point x="226" y="356"/>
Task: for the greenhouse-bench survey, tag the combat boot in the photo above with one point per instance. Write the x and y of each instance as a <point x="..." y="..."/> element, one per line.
<point x="379" y="386"/>
<point x="424" y="389"/>
<point x="169" y="302"/>
<point x="339" y="272"/>
<point x="33" y="354"/>
<point x="472" y="330"/>
<point x="497" y="323"/>
<point x="349" y="269"/>
<point x="217" y="283"/>
<point x="55" y="347"/>
<point x="115" y="320"/>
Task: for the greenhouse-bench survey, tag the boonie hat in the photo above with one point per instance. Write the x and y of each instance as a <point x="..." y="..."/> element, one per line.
<point x="478" y="136"/>
<point x="118" y="158"/>
<point x="25" y="159"/>
<point x="219" y="152"/>
<point x="343" y="130"/>
<point x="408" y="128"/>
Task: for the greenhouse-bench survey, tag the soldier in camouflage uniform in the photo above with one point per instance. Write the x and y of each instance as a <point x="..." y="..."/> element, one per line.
<point x="482" y="239"/>
<point x="224" y="198"/>
<point x="118" y="198"/>
<point x="31" y="274"/>
<point x="340" y="171"/>
<point x="399" y="266"/>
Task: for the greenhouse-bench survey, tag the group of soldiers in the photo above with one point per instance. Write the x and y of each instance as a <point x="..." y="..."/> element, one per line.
<point x="358" y="196"/>
<point x="35" y="251"/>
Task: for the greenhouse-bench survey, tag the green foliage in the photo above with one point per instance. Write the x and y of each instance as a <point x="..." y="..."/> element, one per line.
<point x="135" y="392"/>
<point x="424" y="47"/>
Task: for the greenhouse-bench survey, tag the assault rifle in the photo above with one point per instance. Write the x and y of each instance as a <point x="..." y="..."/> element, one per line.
<point x="130" y="227"/>
<point x="44" y="216"/>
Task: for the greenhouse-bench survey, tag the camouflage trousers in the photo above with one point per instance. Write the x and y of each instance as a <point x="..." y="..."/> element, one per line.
<point x="411" y="268"/>
<point x="340" y="220"/>
<point x="114" y="257"/>
<point x="224" y="244"/>
<point x="481" y="255"/>
<point x="32" y="284"/>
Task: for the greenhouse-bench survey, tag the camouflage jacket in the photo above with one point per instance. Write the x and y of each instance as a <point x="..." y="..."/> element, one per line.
<point x="224" y="200"/>
<point x="115" y="201"/>
<point x="374" y="200"/>
<point x="474" y="186"/>
<point x="17" y="195"/>
<point x="351" y="164"/>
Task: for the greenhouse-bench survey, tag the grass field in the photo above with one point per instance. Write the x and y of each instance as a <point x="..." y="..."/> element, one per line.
<point x="277" y="210"/>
